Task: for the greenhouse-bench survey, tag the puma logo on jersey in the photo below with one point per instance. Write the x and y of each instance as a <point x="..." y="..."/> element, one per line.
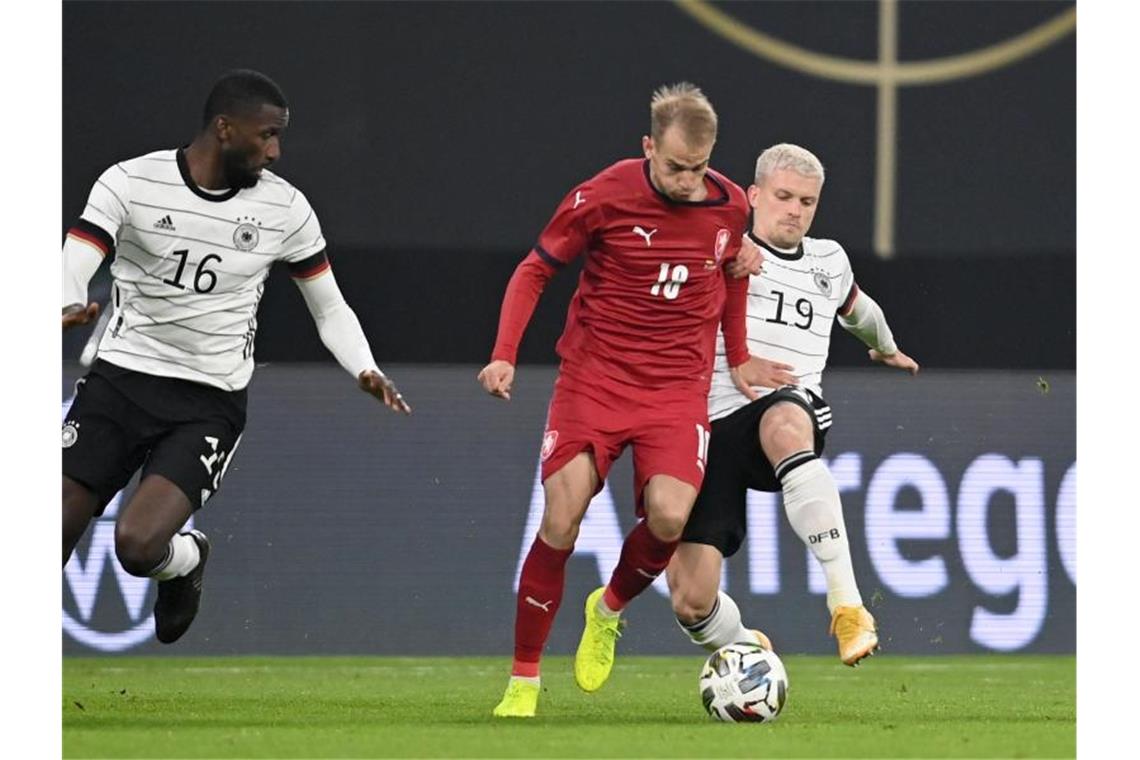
<point x="646" y="235"/>
<point x="535" y="603"/>
<point x="579" y="199"/>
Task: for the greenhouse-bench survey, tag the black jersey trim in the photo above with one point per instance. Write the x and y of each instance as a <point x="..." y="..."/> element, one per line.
<point x="184" y="170"/>
<point x="723" y="199"/>
<point x="96" y="234"/>
<point x="309" y="266"/>
<point x="545" y="256"/>
<point x="799" y="254"/>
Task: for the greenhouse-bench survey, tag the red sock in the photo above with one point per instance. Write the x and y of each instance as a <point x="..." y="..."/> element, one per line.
<point x="540" y="592"/>
<point x="643" y="557"/>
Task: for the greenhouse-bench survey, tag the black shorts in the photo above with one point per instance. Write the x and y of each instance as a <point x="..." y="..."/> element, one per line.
<point x="736" y="463"/>
<point x="122" y="420"/>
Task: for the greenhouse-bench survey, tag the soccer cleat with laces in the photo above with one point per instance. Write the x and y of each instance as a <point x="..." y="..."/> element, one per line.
<point x="519" y="701"/>
<point x="178" y="598"/>
<point x="595" y="656"/>
<point x="854" y="629"/>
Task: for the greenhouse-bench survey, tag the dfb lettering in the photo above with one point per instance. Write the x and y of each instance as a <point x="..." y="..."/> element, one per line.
<point x="847" y="472"/>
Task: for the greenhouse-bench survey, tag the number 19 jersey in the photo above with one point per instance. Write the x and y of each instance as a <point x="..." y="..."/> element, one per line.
<point x="190" y="265"/>
<point x="792" y="306"/>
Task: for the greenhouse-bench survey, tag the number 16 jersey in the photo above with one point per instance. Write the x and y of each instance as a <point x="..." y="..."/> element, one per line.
<point x="190" y="265"/>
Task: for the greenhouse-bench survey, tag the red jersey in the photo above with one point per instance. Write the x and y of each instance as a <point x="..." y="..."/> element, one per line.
<point x="652" y="289"/>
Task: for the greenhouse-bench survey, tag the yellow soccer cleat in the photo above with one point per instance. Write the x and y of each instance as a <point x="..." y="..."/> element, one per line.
<point x="519" y="701"/>
<point x="854" y="629"/>
<point x="595" y="656"/>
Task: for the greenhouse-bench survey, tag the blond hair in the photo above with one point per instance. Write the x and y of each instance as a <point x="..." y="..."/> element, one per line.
<point x="686" y="106"/>
<point x="788" y="156"/>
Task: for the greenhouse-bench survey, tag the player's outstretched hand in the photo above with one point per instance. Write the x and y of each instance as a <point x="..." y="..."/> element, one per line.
<point x="762" y="372"/>
<point x="748" y="261"/>
<point x="497" y="378"/>
<point x="897" y="359"/>
<point x="378" y="384"/>
<point x="77" y="314"/>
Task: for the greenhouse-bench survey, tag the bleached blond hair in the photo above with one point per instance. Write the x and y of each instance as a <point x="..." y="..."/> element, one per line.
<point x="788" y="156"/>
<point x="686" y="106"/>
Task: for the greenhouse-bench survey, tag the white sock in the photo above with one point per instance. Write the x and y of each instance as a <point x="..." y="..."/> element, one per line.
<point x="722" y="626"/>
<point x="811" y="500"/>
<point x="181" y="558"/>
<point x="536" y="680"/>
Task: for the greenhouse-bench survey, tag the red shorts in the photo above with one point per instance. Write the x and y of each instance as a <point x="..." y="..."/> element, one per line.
<point x="669" y="431"/>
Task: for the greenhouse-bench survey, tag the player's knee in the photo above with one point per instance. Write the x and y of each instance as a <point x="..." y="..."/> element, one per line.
<point x="559" y="529"/>
<point x="785" y="430"/>
<point x="137" y="552"/>
<point x="667" y="521"/>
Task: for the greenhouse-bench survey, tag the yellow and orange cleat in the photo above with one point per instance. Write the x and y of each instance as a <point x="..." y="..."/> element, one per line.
<point x="854" y="629"/>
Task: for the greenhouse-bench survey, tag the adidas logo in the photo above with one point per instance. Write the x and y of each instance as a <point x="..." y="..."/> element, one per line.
<point x="165" y="223"/>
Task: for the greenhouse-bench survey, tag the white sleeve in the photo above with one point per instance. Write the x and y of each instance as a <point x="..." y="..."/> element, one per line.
<point x="80" y="260"/>
<point x="92" y="238"/>
<point x="108" y="205"/>
<point x="337" y="324"/>
<point x="867" y="322"/>
<point x="303" y="235"/>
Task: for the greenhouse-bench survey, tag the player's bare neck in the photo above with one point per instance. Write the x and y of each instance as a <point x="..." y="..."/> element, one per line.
<point x="205" y="165"/>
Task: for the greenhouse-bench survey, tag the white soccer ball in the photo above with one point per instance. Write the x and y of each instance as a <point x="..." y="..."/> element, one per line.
<point x="743" y="683"/>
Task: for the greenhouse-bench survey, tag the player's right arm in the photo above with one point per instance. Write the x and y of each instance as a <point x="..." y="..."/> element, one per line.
<point x="565" y="237"/>
<point x="89" y="241"/>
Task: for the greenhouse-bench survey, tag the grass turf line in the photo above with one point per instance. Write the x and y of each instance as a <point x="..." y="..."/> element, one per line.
<point x="893" y="706"/>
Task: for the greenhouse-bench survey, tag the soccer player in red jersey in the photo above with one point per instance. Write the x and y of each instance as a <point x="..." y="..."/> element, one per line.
<point x="637" y="355"/>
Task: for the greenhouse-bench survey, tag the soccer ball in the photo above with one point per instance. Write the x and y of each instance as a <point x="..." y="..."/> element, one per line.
<point x="743" y="682"/>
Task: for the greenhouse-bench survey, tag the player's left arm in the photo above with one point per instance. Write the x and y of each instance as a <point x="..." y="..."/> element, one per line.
<point x="861" y="316"/>
<point x="340" y="330"/>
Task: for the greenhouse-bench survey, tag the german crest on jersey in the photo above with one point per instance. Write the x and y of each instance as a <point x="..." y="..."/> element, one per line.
<point x="721" y="244"/>
<point x="70" y="434"/>
<point x="822" y="281"/>
<point x="245" y="236"/>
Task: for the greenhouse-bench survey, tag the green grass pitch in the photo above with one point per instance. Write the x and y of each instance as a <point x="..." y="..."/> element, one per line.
<point x="893" y="706"/>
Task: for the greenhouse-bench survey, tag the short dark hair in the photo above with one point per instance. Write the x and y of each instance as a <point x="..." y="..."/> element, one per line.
<point x="241" y="91"/>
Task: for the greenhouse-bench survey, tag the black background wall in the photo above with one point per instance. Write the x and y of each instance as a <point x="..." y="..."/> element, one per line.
<point x="434" y="140"/>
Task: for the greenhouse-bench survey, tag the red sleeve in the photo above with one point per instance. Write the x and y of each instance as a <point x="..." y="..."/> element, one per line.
<point x="733" y="321"/>
<point x="526" y="285"/>
<point x="569" y="231"/>
<point x="565" y="237"/>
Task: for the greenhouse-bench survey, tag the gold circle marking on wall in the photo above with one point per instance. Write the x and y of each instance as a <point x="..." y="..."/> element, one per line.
<point x="887" y="74"/>
<point x="855" y="71"/>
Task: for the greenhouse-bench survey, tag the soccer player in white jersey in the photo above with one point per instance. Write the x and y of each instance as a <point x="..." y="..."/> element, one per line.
<point x="773" y="443"/>
<point x="194" y="232"/>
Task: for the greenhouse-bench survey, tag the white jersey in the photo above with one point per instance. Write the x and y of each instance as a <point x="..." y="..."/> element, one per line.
<point x="190" y="265"/>
<point x="792" y="305"/>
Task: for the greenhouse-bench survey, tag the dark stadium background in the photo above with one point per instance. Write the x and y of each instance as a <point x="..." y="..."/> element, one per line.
<point x="435" y="139"/>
